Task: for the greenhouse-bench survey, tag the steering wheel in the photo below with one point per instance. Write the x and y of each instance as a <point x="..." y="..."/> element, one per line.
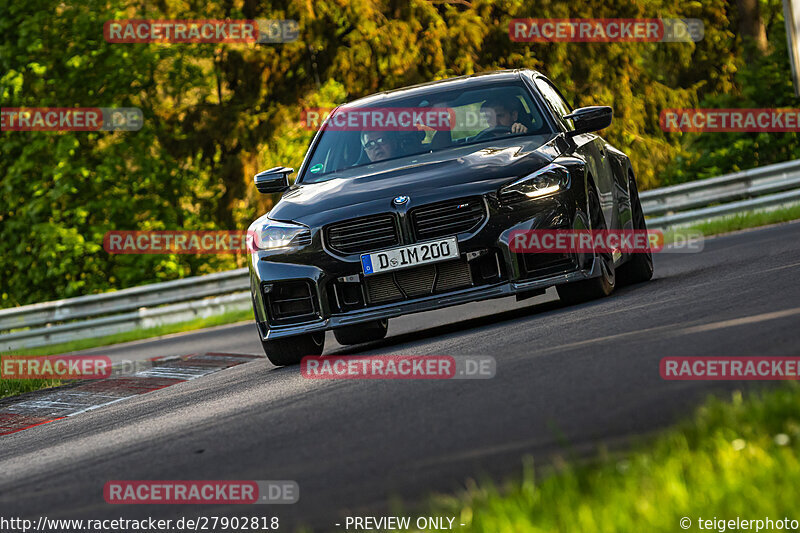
<point x="491" y="132"/>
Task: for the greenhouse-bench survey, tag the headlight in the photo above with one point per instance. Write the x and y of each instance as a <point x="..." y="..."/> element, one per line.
<point x="274" y="234"/>
<point x="546" y="181"/>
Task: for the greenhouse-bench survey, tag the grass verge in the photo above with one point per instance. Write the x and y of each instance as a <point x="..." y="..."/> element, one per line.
<point x="740" y="221"/>
<point x="11" y="387"/>
<point x="732" y="459"/>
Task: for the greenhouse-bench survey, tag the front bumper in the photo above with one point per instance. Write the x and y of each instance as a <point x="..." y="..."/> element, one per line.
<point x="321" y="270"/>
<point x="428" y="303"/>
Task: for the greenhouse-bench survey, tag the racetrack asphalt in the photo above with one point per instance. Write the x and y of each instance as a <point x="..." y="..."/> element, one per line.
<point x="568" y="379"/>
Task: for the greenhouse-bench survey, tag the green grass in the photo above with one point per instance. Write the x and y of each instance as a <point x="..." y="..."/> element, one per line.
<point x="12" y="387"/>
<point x="732" y="459"/>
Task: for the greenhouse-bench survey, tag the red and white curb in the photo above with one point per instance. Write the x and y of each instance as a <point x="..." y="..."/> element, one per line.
<point x="49" y="405"/>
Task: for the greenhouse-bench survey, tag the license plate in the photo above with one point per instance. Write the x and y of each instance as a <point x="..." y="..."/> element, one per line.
<point x="409" y="256"/>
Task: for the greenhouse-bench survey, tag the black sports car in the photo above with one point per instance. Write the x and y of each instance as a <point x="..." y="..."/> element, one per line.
<point x="386" y="219"/>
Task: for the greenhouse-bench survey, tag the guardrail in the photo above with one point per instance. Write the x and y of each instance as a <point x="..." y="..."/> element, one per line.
<point x="146" y="306"/>
<point x="177" y="301"/>
<point x="741" y="191"/>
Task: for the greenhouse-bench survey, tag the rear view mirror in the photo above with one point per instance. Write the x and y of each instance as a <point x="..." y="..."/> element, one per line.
<point x="273" y="180"/>
<point x="590" y="119"/>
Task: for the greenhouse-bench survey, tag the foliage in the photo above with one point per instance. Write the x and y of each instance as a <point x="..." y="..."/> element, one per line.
<point x="762" y="82"/>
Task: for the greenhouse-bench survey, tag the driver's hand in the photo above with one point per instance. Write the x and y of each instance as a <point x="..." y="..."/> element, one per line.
<point x="518" y="128"/>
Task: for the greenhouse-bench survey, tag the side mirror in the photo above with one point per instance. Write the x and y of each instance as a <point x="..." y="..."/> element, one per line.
<point x="589" y="119"/>
<point x="273" y="180"/>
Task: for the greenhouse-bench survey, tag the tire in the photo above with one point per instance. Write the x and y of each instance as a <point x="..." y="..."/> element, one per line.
<point x="361" y="333"/>
<point x="291" y="350"/>
<point x="639" y="267"/>
<point x="599" y="287"/>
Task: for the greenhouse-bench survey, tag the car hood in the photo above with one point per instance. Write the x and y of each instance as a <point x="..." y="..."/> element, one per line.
<point x="425" y="178"/>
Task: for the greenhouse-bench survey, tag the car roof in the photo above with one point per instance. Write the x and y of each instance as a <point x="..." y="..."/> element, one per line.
<point x="432" y="87"/>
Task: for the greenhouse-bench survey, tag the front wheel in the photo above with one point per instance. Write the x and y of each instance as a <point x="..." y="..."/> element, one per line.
<point x="640" y="266"/>
<point x="291" y="350"/>
<point x="583" y="291"/>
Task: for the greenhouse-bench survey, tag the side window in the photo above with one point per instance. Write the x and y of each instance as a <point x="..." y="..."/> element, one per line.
<point x="555" y="101"/>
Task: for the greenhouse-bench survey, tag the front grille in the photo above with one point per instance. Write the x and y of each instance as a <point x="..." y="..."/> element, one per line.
<point x="416" y="282"/>
<point x="448" y="218"/>
<point x="419" y="281"/>
<point x="363" y="234"/>
<point x="453" y="274"/>
<point x="290" y="302"/>
<point x="381" y="288"/>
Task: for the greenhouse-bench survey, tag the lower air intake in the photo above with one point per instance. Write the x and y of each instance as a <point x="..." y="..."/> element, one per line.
<point x="290" y="302"/>
<point x="418" y="282"/>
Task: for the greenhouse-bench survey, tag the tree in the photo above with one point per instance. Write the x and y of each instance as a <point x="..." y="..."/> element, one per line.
<point x="751" y="26"/>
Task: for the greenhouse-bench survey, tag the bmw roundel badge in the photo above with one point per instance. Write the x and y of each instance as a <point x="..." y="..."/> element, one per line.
<point x="401" y="200"/>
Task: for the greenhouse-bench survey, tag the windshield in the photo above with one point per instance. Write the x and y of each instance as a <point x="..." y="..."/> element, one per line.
<point x="360" y="135"/>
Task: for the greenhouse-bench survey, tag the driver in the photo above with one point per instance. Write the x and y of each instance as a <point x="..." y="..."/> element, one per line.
<point x="379" y="145"/>
<point x="498" y="114"/>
